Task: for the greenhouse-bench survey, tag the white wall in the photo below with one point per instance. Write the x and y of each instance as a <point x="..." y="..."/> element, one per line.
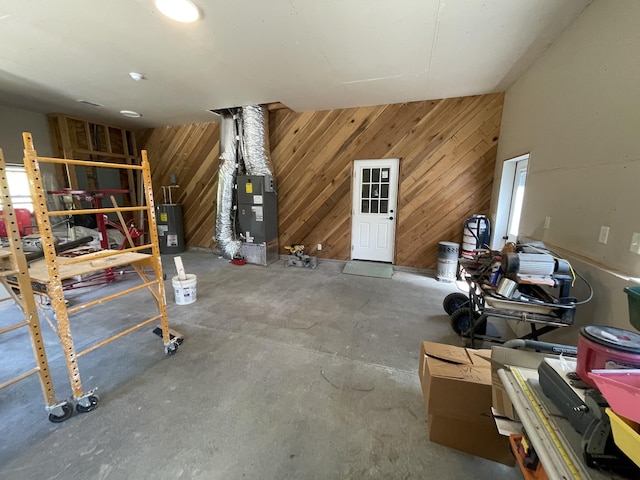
<point x="577" y="110"/>
<point x="12" y="123"/>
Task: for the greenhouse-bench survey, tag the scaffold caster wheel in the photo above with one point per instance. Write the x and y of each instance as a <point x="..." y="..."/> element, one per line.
<point x="93" y="404"/>
<point x="171" y="349"/>
<point x="454" y="301"/>
<point x="67" y="410"/>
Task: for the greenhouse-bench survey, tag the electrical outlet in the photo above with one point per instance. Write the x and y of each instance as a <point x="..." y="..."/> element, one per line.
<point x="604" y="235"/>
<point x="319" y="246"/>
<point x="547" y="222"/>
<point x="635" y="243"/>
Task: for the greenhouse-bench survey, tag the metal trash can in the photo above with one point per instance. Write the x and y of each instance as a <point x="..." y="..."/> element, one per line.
<point x="447" y="261"/>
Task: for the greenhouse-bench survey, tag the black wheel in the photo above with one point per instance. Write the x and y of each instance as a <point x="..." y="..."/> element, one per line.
<point x="67" y="410"/>
<point x="93" y="404"/>
<point x="171" y="349"/>
<point x="461" y="322"/>
<point x="454" y="301"/>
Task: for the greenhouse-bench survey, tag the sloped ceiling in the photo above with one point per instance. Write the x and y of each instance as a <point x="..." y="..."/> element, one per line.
<point x="307" y="54"/>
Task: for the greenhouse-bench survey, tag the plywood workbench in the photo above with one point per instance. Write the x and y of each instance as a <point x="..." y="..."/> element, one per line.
<point x="91" y="263"/>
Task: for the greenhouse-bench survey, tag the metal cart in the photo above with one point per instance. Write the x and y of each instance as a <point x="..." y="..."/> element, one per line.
<point x="543" y="312"/>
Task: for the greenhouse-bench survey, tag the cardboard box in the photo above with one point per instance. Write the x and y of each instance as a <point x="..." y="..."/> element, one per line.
<point x="456" y="384"/>
<point x="479" y="438"/>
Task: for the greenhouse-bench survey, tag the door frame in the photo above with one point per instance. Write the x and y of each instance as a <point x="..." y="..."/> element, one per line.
<point x="355" y="203"/>
<point x="502" y="219"/>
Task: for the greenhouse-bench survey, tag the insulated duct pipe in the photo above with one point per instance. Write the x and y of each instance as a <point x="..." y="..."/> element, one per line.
<point x="225" y="235"/>
<point x="255" y="141"/>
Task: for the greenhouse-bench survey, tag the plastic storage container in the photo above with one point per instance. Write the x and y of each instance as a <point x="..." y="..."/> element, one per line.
<point x="447" y="261"/>
<point x="621" y="389"/>
<point x="625" y="435"/>
<point x="606" y="347"/>
<point x="633" y="293"/>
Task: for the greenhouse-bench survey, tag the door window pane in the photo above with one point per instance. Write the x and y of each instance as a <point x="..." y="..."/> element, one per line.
<point x="366" y="175"/>
<point x="384" y="206"/>
<point x="374" y="206"/>
<point x="375" y="174"/>
<point x="384" y="190"/>
<point x="375" y="191"/>
<point x="385" y="175"/>
<point x="365" y="190"/>
<point x="365" y="206"/>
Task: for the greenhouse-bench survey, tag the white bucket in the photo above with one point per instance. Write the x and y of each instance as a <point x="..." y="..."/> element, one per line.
<point x="185" y="290"/>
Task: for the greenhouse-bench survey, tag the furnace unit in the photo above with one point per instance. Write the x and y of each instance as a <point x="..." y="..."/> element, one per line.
<point x="258" y="218"/>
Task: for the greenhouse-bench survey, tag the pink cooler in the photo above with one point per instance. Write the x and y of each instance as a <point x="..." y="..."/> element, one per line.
<point x="606" y="348"/>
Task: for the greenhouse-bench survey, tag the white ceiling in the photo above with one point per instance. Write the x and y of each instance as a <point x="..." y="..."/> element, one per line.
<point x="307" y="54"/>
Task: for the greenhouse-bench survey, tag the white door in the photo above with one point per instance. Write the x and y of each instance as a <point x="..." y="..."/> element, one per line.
<point x="375" y="198"/>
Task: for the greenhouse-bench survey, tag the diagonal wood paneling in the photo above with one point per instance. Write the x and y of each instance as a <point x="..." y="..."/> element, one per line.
<point x="191" y="153"/>
<point x="447" y="150"/>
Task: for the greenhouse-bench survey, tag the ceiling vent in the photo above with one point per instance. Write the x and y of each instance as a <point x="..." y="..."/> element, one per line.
<point x="90" y="103"/>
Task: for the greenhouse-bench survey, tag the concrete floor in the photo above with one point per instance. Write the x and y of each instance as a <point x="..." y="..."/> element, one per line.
<point x="285" y="373"/>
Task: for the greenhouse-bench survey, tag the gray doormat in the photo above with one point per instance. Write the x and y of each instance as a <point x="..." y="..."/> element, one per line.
<point x="368" y="269"/>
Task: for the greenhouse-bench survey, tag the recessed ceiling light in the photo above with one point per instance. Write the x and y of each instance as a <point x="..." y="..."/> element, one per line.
<point x="136" y="76"/>
<point x="130" y="113"/>
<point x="179" y="10"/>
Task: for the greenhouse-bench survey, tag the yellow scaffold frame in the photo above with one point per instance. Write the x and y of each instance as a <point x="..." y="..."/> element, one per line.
<point x="13" y="264"/>
<point x="55" y="269"/>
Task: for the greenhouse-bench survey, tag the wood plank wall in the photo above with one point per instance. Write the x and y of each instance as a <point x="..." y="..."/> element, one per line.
<point x="447" y="150"/>
<point x="191" y="153"/>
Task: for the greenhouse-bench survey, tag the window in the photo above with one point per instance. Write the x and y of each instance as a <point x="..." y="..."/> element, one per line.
<point x="375" y="190"/>
<point x="510" y="201"/>
<point x="520" y="179"/>
<point x="19" y="187"/>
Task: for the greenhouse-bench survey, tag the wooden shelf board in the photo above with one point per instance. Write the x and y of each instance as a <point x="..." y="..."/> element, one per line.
<point x="38" y="269"/>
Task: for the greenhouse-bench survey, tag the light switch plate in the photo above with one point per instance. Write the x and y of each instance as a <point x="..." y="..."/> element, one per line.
<point x="547" y="222"/>
<point x="604" y="235"/>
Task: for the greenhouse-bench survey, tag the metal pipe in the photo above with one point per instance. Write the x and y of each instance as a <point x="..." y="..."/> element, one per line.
<point x="541" y="346"/>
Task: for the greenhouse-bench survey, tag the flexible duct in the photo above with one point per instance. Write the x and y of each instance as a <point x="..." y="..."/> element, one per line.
<point x="255" y="141"/>
<point x="250" y="132"/>
<point x="226" y="180"/>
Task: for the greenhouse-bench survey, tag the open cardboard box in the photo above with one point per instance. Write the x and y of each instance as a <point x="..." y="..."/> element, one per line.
<point x="456" y="384"/>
